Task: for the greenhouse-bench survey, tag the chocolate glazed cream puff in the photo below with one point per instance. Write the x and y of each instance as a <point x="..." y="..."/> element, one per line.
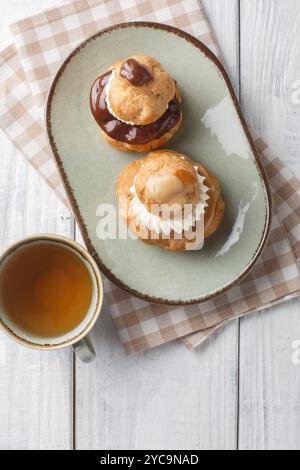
<point x="168" y="178"/>
<point x="136" y="104"/>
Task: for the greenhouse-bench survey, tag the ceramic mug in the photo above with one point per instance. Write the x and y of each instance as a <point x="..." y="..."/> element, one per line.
<point x="77" y="338"/>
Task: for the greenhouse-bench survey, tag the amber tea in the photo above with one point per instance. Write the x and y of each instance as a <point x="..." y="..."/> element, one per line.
<point x="45" y="289"/>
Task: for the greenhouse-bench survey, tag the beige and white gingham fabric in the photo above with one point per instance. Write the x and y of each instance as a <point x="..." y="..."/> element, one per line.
<point x="27" y="67"/>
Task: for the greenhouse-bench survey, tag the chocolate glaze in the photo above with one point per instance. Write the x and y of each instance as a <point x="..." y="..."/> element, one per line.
<point x="131" y="134"/>
<point x="135" y="72"/>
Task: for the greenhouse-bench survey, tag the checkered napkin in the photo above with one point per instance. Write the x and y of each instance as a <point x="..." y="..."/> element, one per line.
<point x="27" y="67"/>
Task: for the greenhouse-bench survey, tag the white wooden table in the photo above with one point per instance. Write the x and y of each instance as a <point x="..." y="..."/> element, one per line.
<point x="242" y="388"/>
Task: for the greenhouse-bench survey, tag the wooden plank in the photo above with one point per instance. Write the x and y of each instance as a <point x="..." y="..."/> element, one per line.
<point x="270" y="57"/>
<point x="167" y="398"/>
<point x="223" y="16"/>
<point x="269" y="380"/>
<point x="36" y="387"/>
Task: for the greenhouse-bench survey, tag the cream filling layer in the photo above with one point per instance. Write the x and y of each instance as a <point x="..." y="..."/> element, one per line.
<point x="179" y="222"/>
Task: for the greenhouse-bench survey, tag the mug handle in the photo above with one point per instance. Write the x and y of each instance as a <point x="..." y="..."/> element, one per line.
<point x="84" y="350"/>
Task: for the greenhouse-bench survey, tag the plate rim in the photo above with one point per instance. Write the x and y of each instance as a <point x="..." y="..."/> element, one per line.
<point x="72" y="199"/>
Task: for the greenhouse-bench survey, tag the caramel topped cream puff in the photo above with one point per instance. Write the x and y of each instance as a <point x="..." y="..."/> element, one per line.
<point x="170" y="201"/>
<point x="166" y="178"/>
<point x="136" y="104"/>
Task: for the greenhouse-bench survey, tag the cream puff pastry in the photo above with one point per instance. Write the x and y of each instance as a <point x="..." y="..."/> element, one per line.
<point x="168" y="179"/>
<point x="136" y="104"/>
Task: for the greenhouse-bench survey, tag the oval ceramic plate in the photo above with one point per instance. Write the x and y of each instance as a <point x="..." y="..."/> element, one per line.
<point x="213" y="133"/>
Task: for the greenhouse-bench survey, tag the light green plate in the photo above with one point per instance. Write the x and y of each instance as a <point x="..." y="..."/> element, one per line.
<point x="213" y="133"/>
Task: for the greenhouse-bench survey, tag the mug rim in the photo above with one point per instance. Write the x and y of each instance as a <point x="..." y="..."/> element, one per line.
<point x="99" y="285"/>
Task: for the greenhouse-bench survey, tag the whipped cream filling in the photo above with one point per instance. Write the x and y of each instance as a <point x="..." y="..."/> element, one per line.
<point x="108" y="87"/>
<point x="180" y="222"/>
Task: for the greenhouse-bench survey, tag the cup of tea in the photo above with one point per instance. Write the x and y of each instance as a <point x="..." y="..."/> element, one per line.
<point x="51" y="294"/>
